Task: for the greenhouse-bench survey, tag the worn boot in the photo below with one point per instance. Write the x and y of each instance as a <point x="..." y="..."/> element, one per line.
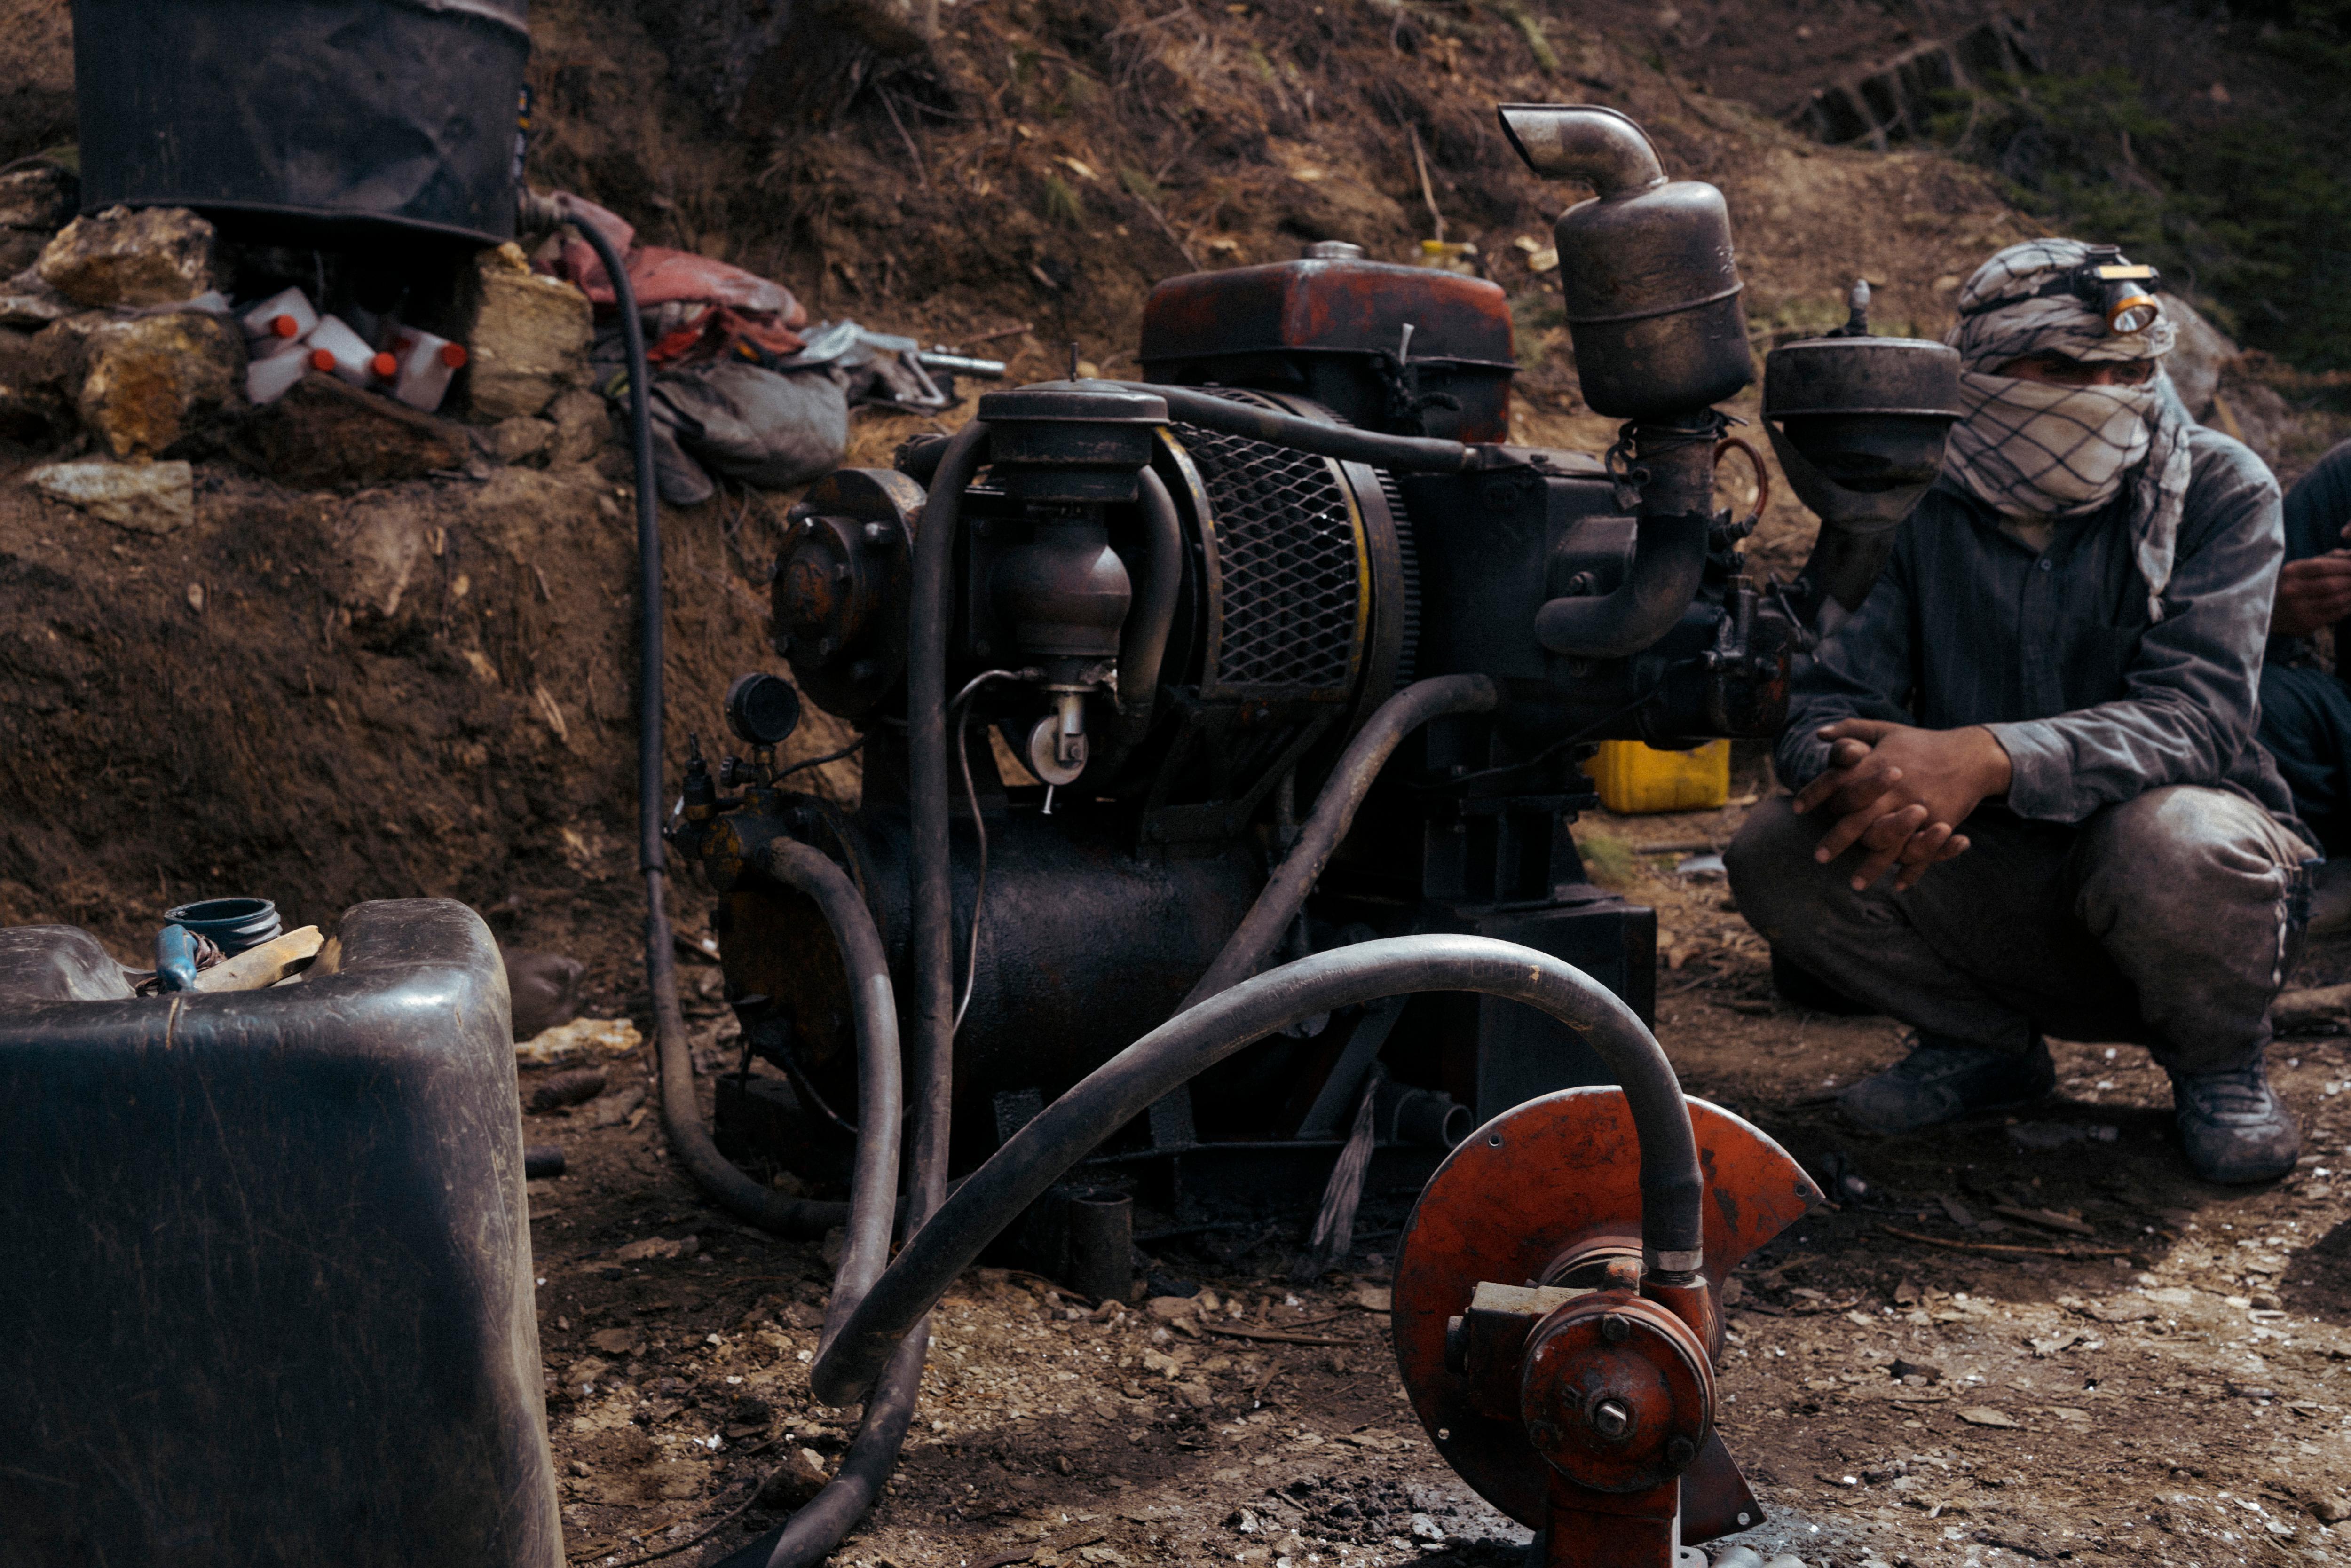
<point x="1940" y="1081"/>
<point x="2233" y="1126"/>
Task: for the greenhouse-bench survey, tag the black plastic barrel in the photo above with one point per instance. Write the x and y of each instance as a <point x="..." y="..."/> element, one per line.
<point x="266" y="1290"/>
<point x="375" y="112"/>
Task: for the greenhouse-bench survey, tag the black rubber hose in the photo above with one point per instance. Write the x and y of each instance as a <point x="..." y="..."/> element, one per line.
<point x="1270" y="918"/>
<point x="873" y="1177"/>
<point x="816" y="1529"/>
<point x="681" y="1111"/>
<point x="930" y="611"/>
<point x="1406" y="453"/>
<point x="993" y="1196"/>
<point x="1153" y="619"/>
<point x="1669" y="563"/>
<point x="811" y="1533"/>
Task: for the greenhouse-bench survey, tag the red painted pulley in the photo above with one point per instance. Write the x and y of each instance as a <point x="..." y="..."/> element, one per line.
<point x="1559" y="1390"/>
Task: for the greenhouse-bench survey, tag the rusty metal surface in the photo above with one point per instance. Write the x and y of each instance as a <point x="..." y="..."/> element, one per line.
<point x="1330" y="327"/>
<point x="1715" y="1499"/>
<point x="841" y="586"/>
<point x="1348" y="304"/>
<point x="1616" y="1354"/>
<point x="1553" y="1178"/>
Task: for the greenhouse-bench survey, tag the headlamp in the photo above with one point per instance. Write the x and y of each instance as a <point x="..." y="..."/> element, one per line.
<point x="2122" y="292"/>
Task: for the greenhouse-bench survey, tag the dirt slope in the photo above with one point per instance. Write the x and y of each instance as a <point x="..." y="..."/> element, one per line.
<point x="296" y="738"/>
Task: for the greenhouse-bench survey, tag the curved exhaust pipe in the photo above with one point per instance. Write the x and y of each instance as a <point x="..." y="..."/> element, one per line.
<point x="1583" y="142"/>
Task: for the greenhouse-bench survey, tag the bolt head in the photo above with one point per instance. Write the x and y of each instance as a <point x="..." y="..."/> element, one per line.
<point x="1615" y="1328"/>
<point x="877" y="533"/>
<point x="1679" y="1452"/>
<point x="1611" y="1419"/>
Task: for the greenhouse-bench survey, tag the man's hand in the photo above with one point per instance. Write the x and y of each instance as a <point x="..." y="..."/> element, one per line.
<point x="2312" y="593"/>
<point x="1901" y="792"/>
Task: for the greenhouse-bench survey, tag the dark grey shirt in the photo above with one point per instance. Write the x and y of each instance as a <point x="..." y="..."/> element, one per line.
<point x="2054" y="653"/>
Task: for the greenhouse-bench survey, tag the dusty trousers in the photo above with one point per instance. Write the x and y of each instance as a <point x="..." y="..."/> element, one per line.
<point x="2168" y="921"/>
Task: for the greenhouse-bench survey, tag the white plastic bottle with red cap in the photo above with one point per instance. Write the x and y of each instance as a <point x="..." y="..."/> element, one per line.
<point x="269" y="376"/>
<point x="284" y="317"/>
<point x="344" y="354"/>
<point x="425" y="364"/>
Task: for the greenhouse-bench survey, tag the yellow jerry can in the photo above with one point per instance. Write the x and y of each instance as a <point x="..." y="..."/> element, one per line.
<point x="1634" y="778"/>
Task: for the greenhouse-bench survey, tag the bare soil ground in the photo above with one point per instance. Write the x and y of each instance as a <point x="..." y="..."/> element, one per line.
<point x="2021" y="1339"/>
<point x="2167" y="1388"/>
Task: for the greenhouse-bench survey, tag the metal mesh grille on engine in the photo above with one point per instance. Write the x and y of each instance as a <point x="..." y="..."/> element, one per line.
<point x="1289" y="558"/>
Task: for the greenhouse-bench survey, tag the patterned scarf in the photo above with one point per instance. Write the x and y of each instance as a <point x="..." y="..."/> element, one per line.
<point x="2029" y="449"/>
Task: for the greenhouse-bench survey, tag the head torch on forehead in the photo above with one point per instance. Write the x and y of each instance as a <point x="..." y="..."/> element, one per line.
<point x="2122" y="292"/>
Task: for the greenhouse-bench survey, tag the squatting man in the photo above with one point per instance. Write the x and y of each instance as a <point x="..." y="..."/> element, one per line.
<point x="2028" y="794"/>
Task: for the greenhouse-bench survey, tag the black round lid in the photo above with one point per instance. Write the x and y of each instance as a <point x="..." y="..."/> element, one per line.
<point x="762" y="709"/>
<point x="1861" y="375"/>
<point x="1088" y="403"/>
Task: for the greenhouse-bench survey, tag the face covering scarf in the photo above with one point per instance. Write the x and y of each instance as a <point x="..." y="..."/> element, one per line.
<point x="2032" y="449"/>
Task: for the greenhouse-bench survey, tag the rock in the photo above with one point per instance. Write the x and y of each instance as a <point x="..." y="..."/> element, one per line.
<point x="569" y="1087"/>
<point x="583" y="427"/>
<point x="2254" y="414"/>
<point x="2310" y="1007"/>
<point x="26" y="301"/>
<point x="379" y="544"/>
<point x="147" y="497"/>
<point x="611" y="1110"/>
<point x="1984" y="1415"/>
<point x="542" y="988"/>
<point x="150" y="255"/>
<point x="2123" y="1308"/>
<point x="2331" y="1510"/>
<point x="154" y="380"/>
<point x="514" y="440"/>
<point x="39" y="195"/>
<point x="528" y="340"/>
<point x="326" y="435"/>
<point x="799" y="1478"/>
<point x="20" y="249"/>
<point x="39" y="373"/>
<point x="591" y="1040"/>
<point x="1168" y="1309"/>
<point x="2199" y="356"/>
<point x="1424" y="1527"/>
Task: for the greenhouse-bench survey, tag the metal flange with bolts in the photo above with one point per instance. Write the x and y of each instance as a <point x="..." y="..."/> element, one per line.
<point x="1569" y="1379"/>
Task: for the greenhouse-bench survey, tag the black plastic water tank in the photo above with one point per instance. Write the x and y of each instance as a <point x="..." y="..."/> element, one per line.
<point x="399" y="112"/>
<point x="268" y="1292"/>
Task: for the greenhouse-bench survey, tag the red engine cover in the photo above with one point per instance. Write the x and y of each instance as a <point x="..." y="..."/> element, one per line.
<point x="1320" y="327"/>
